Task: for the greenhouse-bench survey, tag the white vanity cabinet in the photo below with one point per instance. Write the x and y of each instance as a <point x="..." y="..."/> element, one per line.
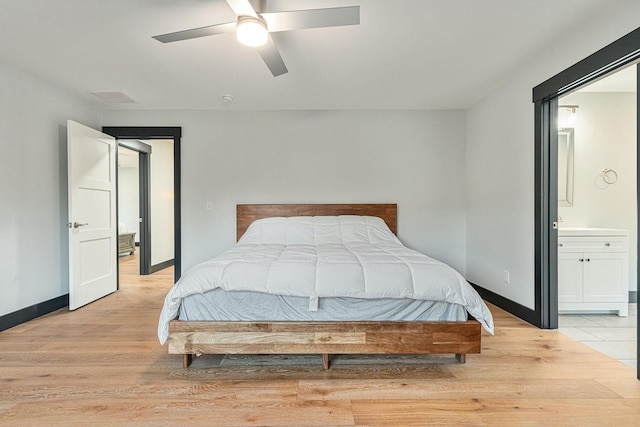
<point x="593" y="270"/>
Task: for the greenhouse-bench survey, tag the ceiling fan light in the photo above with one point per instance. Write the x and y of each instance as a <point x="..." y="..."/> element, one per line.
<point x="252" y="31"/>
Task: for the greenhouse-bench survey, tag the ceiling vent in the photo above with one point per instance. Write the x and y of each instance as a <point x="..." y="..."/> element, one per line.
<point x="112" y="97"/>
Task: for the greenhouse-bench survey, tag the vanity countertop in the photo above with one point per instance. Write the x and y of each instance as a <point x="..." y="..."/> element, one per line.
<point x="590" y="231"/>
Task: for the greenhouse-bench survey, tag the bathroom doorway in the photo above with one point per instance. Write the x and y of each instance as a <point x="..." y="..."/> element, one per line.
<point x="618" y="55"/>
<point x="597" y="215"/>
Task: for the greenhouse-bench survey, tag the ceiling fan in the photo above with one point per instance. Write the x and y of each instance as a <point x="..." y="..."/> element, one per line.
<point x="254" y="25"/>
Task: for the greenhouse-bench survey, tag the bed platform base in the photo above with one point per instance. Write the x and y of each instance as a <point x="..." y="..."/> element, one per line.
<point x="325" y="338"/>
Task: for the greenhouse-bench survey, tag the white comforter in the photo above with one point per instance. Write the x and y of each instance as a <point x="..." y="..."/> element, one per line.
<point x="315" y="257"/>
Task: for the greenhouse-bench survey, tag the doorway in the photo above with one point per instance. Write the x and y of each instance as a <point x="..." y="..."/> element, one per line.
<point x="597" y="214"/>
<point x="134" y="235"/>
<point x="615" y="56"/>
<point x="168" y="139"/>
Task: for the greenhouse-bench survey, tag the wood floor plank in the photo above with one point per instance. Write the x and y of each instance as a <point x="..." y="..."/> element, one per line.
<point x="125" y="384"/>
<point x="523" y="369"/>
<point x="172" y="411"/>
<point x="498" y="412"/>
<point x="562" y="412"/>
<point x="459" y="412"/>
<point x="103" y="365"/>
<point x="454" y="389"/>
<point x="16" y="358"/>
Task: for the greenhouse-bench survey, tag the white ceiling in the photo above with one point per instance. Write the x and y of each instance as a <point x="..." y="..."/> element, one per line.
<point x="410" y="54"/>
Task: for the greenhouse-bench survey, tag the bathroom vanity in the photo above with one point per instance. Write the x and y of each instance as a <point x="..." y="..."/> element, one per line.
<point x="593" y="270"/>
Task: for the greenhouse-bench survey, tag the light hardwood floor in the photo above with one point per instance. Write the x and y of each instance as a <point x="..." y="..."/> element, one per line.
<point x="102" y="365"/>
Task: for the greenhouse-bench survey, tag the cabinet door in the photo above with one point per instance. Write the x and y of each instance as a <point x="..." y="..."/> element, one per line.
<point x="570" y="277"/>
<point x="604" y="278"/>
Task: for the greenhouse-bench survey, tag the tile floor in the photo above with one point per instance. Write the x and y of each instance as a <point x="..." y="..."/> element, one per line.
<point x="608" y="333"/>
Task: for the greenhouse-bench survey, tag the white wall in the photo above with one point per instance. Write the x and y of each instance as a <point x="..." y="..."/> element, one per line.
<point x="161" y="200"/>
<point x="605" y="137"/>
<point x="500" y="160"/>
<point x="413" y="158"/>
<point x="33" y="210"/>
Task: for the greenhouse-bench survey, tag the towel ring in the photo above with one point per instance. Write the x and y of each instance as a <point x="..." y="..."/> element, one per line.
<point x="609" y="176"/>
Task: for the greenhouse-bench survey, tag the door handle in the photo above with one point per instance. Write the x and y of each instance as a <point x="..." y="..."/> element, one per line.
<point x="77" y="225"/>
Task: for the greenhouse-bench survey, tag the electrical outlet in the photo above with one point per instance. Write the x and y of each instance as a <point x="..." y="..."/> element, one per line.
<point x="506" y="277"/>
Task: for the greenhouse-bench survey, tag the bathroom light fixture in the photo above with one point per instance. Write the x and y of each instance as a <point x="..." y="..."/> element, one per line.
<point x="252" y="31"/>
<point x="567" y="116"/>
<point x="573" y="115"/>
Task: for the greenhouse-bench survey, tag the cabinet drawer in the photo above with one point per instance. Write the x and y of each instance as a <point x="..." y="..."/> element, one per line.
<point x="593" y="244"/>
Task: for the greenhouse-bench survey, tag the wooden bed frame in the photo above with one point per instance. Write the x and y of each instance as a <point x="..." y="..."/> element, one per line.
<point x="325" y="338"/>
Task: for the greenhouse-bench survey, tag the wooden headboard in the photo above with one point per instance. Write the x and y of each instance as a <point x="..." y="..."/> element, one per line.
<point x="246" y="214"/>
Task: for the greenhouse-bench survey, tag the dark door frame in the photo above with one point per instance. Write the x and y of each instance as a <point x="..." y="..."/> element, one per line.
<point x="618" y="54"/>
<point x="157" y="132"/>
<point x="143" y="150"/>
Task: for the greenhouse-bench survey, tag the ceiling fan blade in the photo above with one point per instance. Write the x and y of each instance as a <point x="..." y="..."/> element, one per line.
<point x="271" y="57"/>
<point x="242" y="8"/>
<point x="312" y="18"/>
<point x="193" y="33"/>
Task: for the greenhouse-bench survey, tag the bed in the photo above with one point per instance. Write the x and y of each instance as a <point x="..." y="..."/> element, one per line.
<point x="283" y="289"/>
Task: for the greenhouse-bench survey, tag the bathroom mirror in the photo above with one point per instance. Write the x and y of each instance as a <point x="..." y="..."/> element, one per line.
<point x="565" y="167"/>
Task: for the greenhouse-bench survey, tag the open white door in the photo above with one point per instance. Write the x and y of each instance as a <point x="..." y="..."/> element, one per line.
<point x="92" y="214"/>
